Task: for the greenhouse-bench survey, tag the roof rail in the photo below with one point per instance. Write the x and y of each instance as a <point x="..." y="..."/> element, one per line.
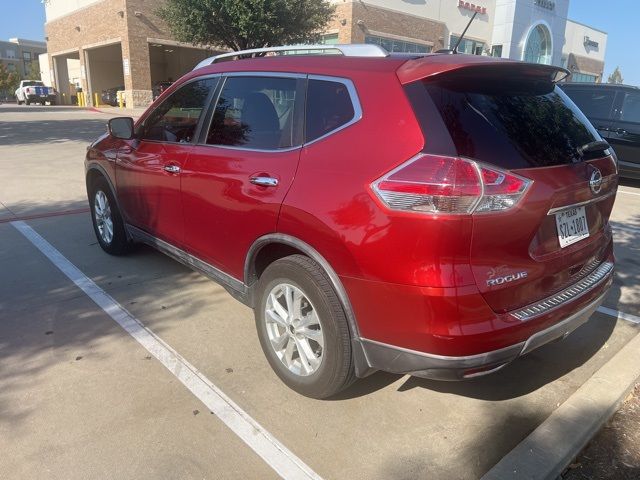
<point x="347" y="50"/>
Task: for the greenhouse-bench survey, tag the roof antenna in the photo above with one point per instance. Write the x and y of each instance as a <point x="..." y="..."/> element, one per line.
<point x="455" y="48"/>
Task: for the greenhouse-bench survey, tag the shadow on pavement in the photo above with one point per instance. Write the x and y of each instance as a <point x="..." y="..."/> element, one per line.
<point x="45" y="320"/>
<point x="51" y="131"/>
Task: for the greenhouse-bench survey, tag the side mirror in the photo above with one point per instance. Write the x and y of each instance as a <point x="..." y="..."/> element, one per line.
<point x="121" y="127"/>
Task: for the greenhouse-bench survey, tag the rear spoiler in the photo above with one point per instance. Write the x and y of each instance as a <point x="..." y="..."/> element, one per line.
<point x="476" y="66"/>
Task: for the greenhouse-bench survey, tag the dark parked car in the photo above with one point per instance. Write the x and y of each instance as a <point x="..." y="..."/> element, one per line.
<point x="442" y="229"/>
<point x="615" y="111"/>
<point x="110" y="95"/>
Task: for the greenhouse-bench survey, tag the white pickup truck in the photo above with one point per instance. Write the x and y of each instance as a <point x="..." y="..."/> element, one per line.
<point x="34" y="91"/>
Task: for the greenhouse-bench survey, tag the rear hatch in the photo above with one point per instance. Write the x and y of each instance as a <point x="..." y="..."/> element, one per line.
<point x="512" y="117"/>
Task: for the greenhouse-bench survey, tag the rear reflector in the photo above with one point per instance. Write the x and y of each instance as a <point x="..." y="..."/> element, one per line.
<point x="449" y="185"/>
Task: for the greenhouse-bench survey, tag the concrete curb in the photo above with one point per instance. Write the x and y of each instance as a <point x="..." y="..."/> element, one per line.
<point x="549" y="449"/>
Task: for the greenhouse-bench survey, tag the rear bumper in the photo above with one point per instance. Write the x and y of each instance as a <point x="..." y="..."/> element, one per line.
<point x="399" y="360"/>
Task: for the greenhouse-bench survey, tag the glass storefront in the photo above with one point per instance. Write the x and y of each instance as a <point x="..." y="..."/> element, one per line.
<point x="583" y="78"/>
<point x="472" y="47"/>
<point x="391" y="45"/>
<point x="538" y="48"/>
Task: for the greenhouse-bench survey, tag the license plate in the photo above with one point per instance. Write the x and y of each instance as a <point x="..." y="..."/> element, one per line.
<point x="572" y="226"/>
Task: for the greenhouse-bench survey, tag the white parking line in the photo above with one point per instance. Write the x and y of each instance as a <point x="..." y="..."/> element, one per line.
<point x="629" y="193"/>
<point x="623" y="316"/>
<point x="274" y="453"/>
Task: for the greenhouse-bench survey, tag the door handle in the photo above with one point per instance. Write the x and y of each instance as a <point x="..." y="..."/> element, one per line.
<point x="264" y="181"/>
<point x="125" y="150"/>
<point x="172" y="168"/>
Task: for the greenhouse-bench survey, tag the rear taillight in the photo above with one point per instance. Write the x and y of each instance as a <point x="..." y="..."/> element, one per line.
<point x="449" y="185"/>
<point x="28" y="90"/>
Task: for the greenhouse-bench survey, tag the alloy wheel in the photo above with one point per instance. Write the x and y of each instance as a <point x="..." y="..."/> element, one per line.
<point x="294" y="329"/>
<point x="104" y="221"/>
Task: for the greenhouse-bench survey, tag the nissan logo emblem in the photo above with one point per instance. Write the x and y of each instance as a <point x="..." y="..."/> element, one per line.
<point x="595" y="182"/>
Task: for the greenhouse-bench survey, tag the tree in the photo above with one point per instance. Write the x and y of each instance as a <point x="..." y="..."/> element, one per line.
<point x="616" y="76"/>
<point x="240" y="25"/>
<point x="34" y="72"/>
<point x="9" y="80"/>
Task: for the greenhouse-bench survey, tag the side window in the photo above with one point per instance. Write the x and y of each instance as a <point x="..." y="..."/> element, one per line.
<point x="255" y="112"/>
<point x="631" y="108"/>
<point x="329" y="107"/>
<point x="594" y="103"/>
<point x="176" y="119"/>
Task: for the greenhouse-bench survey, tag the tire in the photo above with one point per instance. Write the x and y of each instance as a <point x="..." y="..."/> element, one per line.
<point x="27" y="102"/>
<point x="107" y="220"/>
<point x="325" y="366"/>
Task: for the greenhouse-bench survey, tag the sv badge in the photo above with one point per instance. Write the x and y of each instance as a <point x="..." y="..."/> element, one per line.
<point x="501" y="275"/>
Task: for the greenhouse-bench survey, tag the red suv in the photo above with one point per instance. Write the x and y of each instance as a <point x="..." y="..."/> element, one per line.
<point x="435" y="215"/>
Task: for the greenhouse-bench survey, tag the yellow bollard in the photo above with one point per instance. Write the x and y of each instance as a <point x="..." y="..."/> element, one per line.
<point x="120" y="96"/>
<point x="81" y="99"/>
<point x="97" y="103"/>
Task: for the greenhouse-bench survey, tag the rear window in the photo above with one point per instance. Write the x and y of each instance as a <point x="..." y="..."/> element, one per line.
<point x="594" y="103"/>
<point x="510" y="123"/>
<point x="329" y="107"/>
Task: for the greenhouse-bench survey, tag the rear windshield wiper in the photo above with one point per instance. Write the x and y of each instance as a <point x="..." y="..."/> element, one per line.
<point x="593" y="147"/>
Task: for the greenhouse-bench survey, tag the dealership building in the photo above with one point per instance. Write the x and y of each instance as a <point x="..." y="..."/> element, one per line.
<point x="531" y="30"/>
<point x="125" y="43"/>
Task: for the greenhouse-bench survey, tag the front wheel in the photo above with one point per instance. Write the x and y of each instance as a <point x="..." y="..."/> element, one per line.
<point x="107" y="220"/>
<point x="302" y="328"/>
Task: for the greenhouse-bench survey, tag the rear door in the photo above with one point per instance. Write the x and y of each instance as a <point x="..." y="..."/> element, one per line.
<point x="625" y="131"/>
<point x="239" y="173"/>
<point x="523" y="123"/>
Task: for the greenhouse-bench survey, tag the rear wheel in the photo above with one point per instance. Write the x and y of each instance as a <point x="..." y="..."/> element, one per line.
<point x="27" y="101"/>
<point x="303" y="329"/>
<point x="107" y="220"/>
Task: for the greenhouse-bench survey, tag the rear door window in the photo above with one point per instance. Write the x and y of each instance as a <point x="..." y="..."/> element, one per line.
<point x="594" y="102"/>
<point x="257" y="113"/>
<point x="329" y="108"/>
<point x="510" y="123"/>
<point x="631" y="108"/>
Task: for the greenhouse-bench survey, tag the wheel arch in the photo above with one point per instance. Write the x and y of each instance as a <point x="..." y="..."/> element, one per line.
<point x="283" y="245"/>
<point x="96" y="171"/>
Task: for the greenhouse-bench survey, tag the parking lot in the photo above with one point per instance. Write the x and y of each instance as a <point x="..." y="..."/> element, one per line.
<point x="191" y="395"/>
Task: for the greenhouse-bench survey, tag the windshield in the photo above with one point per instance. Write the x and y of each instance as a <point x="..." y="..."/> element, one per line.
<point x="33" y="84"/>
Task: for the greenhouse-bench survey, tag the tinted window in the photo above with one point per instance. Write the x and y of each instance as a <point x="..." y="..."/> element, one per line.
<point x="329" y="107"/>
<point x="595" y="103"/>
<point x="255" y="112"/>
<point x="631" y="108"/>
<point x="512" y="124"/>
<point x="176" y="119"/>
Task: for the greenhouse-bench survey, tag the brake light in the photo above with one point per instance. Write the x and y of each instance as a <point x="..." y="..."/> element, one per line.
<point x="449" y="185"/>
<point x="28" y="89"/>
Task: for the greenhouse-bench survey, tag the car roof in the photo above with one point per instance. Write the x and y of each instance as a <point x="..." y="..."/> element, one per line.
<point x="408" y="67"/>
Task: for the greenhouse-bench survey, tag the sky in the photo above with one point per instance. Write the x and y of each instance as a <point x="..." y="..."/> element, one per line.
<point x="619" y="18"/>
